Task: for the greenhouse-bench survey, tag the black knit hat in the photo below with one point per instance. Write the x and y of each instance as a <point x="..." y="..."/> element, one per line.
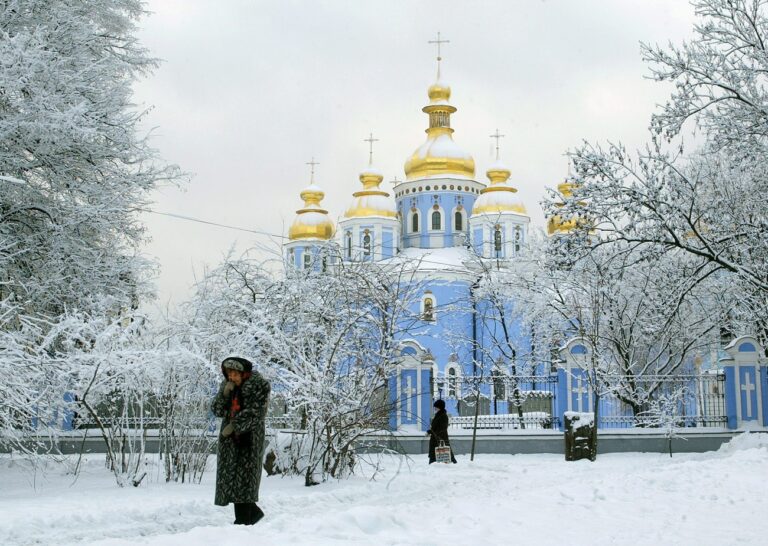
<point x="236" y="363"/>
<point x="439" y="404"/>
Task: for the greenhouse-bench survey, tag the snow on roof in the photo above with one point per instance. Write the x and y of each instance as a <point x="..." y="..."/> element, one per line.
<point x="435" y="259"/>
<point x="312" y="218"/>
<point x="442" y="146"/>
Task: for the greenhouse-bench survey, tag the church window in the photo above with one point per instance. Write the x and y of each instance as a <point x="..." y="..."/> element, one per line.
<point x="348" y="244"/>
<point x="452" y="380"/>
<point x="517" y="239"/>
<point x="429" y="187"/>
<point x="415" y="222"/>
<point x="452" y="186"/>
<point x="497" y="239"/>
<point x="429" y="309"/>
<point x="444" y="186"/>
<point x="367" y="244"/>
<point x="458" y="221"/>
<point x="436" y="219"/>
<point x="307" y="256"/>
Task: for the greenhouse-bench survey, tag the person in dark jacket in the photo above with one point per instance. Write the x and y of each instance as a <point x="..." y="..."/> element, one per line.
<point x="438" y="430"/>
<point x="241" y="402"/>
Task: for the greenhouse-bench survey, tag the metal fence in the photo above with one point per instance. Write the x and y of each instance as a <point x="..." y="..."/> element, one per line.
<point x="662" y="401"/>
<point x="695" y="400"/>
<point x="528" y="403"/>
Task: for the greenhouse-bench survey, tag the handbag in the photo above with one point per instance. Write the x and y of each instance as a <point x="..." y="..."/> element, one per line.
<point x="443" y="453"/>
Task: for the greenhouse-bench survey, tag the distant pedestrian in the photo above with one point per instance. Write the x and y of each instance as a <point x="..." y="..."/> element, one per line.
<point x="241" y="402"/>
<point x="438" y="431"/>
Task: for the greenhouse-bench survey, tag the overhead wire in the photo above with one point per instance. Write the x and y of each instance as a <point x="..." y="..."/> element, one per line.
<point x="268" y="234"/>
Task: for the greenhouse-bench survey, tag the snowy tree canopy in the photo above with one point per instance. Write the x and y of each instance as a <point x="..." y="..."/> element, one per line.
<point x="705" y="208"/>
<point x="74" y="172"/>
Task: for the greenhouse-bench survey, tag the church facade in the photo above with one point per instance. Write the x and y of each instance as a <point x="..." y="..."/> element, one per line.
<point x="448" y="223"/>
<point x="442" y="218"/>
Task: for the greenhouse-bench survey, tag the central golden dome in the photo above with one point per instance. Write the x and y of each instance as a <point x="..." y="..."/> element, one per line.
<point x="439" y="155"/>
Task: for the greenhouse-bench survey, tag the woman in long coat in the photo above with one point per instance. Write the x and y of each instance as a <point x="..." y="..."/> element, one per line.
<point x="438" y="431"/>
<point x="241" y="402"/>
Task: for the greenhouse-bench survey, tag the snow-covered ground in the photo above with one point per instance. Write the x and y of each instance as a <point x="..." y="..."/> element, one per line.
<point x="711" y="498"/>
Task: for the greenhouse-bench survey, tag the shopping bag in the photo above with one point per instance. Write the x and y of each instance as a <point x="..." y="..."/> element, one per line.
<point x="443" y="453"/>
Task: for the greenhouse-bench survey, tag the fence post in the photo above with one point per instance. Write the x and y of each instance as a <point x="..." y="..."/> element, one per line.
<point x="573" y="389"/>
<point x="746" y="389"/>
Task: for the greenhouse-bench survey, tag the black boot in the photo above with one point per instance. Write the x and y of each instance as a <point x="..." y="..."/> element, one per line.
<point x="242" y="513"/>
<point x="254" y="514"/>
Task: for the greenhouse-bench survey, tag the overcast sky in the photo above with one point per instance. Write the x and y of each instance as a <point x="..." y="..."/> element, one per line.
<point x="248" y="92"/>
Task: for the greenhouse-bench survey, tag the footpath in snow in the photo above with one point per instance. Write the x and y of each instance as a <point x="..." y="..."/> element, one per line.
<point x="711" y="498"/>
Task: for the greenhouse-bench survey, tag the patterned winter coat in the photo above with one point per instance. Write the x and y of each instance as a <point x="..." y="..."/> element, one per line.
<point x="240" y="456"/>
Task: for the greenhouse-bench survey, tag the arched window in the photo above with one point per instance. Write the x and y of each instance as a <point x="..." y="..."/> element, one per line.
<point x="436" y="219"/>
<point x="497" y="240"/>
<point x="517" y="239"/>
<point x="348" y="243"/>
<point x="429" y="309"/>
<point x="307" y="256"/>
<point x="367" y="244"/>
<point x="415" y="222"/>
<point x="452" y="381"/>
<point x="458" y="221"/>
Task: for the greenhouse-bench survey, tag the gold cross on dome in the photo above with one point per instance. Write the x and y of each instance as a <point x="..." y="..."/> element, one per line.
<point x="312" y="170"/>
<point x="497" y="136"/>
<point x="370" y="140"/>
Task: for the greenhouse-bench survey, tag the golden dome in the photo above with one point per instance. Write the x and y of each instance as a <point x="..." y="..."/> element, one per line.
<point x="312" y="221"/>
<point x="439" y="92"/>
<point x="556" y="223"/>
<point x="371" y="200"/>
<point x="439" y="155"/>
<point x="499" y="197"/>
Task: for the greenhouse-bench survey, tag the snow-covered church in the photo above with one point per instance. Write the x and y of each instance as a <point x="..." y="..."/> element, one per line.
<point x="442" y="218"/>
<point x="445" y="220"/>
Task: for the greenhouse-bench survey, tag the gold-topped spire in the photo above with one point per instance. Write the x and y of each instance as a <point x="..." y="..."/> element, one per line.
<point x="499" y="196"/>
<point x="371" y="200"/>
<point x="312" y="221"/>
<point x="439" y="155"/>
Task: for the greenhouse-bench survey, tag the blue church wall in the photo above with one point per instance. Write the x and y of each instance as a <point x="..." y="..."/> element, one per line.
<point x="387" y="247"/>
<point x="424" y="202"/>
<point x="477" y="240"/>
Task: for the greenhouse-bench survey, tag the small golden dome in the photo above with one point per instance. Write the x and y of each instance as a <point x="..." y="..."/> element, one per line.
<point x="439" y="92"/>
<point x="312" y="221"/>
<point x="556" y="223"/>
<point x="499" y="197"/>
<point x="439" y="155"/>
<point x="371" y="200"/>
